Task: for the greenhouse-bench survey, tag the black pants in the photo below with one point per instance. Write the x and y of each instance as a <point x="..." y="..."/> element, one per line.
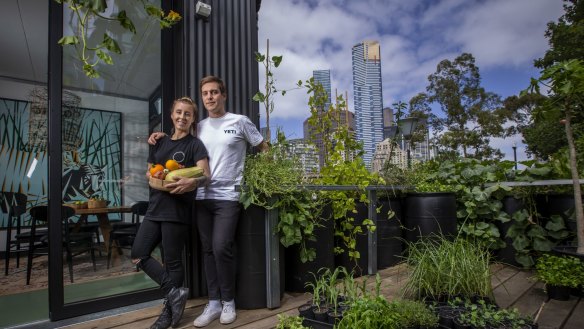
<point x="217" y="222"/>
<point x="172" y="237"/>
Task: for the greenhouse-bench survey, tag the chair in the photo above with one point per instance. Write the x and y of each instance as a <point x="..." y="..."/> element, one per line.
<point x="124" y="233"/>
<point x="14" y="205"/>
<point x="74" y="243"/>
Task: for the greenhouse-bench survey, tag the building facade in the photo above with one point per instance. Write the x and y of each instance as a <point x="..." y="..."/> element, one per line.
<point x="306" y="153"/>
<point x="346" y="118"/>
<point x="323" y="77"/>
<point x="368" y="98"/>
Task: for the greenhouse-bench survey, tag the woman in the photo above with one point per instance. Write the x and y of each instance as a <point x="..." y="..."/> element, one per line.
<point x="168" y="215"/>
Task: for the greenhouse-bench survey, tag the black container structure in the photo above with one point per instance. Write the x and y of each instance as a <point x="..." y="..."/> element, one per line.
<point x="427" y="214"/>
<point x="389" y="232"/>
<point x="297" y="272"/>
<point x="506" y="255"/>
<point x="260" y="273"/>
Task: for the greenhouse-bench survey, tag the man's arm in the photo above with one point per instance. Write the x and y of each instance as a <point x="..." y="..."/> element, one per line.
<point x="155" y="136"/>
<point x="263" y="146"/>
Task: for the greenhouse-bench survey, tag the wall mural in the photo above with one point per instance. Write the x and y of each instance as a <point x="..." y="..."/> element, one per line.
<point x="91" y="141"/>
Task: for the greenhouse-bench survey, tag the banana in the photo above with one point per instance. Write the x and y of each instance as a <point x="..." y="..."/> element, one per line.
<point x="184" y="172"/>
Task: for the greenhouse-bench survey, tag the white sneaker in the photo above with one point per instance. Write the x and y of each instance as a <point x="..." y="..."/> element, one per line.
<point x="208" y="316"/>
<point x="228" y="314"/>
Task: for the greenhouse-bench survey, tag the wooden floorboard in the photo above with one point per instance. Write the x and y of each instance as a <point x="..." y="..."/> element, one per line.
<point x="556" y="312"/>
<point x="576" y="320"/>
<point x="512" y="287"/>
<point x="500" y="275"/>
<point x="530" y="303"/>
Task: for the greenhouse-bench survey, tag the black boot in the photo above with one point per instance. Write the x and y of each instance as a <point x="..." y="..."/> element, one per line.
<point x="165" y="318"/>
<point x="177" y="299"/>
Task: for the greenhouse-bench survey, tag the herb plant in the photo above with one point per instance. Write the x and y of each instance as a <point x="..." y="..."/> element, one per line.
<point x="443" y="267"/>
<point x="560" y="270"/>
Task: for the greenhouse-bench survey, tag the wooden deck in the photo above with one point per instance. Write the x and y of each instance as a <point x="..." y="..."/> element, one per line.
<point x="513" y="288"/>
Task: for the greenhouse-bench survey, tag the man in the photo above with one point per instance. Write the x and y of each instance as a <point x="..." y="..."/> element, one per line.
<point x="225" y="135"/>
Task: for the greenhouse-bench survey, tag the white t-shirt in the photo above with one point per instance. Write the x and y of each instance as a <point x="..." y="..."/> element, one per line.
<point x="226" y="141"/>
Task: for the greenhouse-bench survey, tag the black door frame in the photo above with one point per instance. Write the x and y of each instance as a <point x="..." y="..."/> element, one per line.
<point x="58" y="310"/>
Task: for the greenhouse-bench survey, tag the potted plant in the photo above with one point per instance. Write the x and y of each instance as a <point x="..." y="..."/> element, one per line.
<point x="560" y="274"/>
<point x="431" y="207"/>
<point x="319" y="295"/>
<point x="290" y="322"/>
<point x="443" y="269"/>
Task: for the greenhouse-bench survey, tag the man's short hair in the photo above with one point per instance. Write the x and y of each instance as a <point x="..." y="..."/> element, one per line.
<point x="212" y="78"/>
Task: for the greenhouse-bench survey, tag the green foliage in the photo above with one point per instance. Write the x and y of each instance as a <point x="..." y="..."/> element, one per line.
<point x="560" y="270"/>
<point x="530" y="238"/>
<point x="343" y="166"/>
<point x="445" y="267"/>
<point x="377" y="312"/>
<point x="290" y="322"/>
<point x="566" y="36"/>
<point x="471" y="115"/>
<point x="427" y="177"/>
<point x="271" y="180"/>
<point x="483" y="315"/>
<point x="86" y="15"/>
<point x="270" y="90"/>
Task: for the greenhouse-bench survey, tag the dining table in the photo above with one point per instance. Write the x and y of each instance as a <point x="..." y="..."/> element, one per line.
<point x="102" y="215"/>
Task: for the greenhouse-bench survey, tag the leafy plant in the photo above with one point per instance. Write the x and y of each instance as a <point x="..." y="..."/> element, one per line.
<point x="87" y="12"/>
<point x="485" y="315"/>
<point x="270" y="89"/>
<point x="271" y="180"/>
<point x="290" y="322"/>
<point x="560" y="270"/>
<point x="343" y="165"/>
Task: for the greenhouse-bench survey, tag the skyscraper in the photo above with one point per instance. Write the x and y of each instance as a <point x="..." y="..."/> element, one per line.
<point x="368" y="97"/>
<point x="324" y="78"/>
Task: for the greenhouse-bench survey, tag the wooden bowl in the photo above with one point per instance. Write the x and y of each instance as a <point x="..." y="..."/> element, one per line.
<point x="92" y="204"/>
<point x="159" y="184"/>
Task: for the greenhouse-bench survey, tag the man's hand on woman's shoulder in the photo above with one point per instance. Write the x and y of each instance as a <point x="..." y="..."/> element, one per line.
<point x="155" y="136"/>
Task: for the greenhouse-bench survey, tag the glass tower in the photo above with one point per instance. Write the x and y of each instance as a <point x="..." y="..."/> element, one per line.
<point x="367" y="96"/>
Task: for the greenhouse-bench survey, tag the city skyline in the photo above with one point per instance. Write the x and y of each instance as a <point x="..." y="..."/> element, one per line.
<point x="504" y="37"/>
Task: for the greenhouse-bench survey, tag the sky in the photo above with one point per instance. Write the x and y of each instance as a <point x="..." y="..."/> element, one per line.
<point x="504" y="36"/>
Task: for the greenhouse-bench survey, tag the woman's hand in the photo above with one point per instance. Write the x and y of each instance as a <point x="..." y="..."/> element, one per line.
<point x="183" y="185"/>
<point x="154" y="136"/>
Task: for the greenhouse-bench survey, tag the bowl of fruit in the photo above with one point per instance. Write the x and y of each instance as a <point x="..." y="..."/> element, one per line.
<point x="160" y="175"/>
<point x="78" y="204"/>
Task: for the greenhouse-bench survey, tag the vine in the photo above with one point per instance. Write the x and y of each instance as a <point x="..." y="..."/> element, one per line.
<point x="87" y="12"/>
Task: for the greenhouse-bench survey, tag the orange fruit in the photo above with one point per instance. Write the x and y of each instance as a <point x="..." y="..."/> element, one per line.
<point x="172" y="165"/>
<point x="156" y="168"/>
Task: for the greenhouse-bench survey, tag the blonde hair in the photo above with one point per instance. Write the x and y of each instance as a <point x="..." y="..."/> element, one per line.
<point x="187" y="100"/>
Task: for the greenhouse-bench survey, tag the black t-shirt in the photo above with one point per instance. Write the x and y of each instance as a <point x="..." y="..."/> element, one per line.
<point x="174" y="207"/>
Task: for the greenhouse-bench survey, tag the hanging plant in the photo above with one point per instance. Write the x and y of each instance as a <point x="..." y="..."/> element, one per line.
<point x="86" y="14"/>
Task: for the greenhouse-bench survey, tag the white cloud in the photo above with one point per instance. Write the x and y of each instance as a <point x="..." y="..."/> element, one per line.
<point x="502" y="32"/>
<point x="414" y="37"/>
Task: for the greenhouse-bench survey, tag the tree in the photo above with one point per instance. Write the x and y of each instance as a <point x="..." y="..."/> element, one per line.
<point x="543" y="135"/>
<point x="471" y="115"/>
<point x="565" y="81"/>
<point x="566" y="37"/>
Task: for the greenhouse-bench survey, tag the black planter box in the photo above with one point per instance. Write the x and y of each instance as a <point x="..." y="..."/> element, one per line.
<point x="316" y="324"/>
